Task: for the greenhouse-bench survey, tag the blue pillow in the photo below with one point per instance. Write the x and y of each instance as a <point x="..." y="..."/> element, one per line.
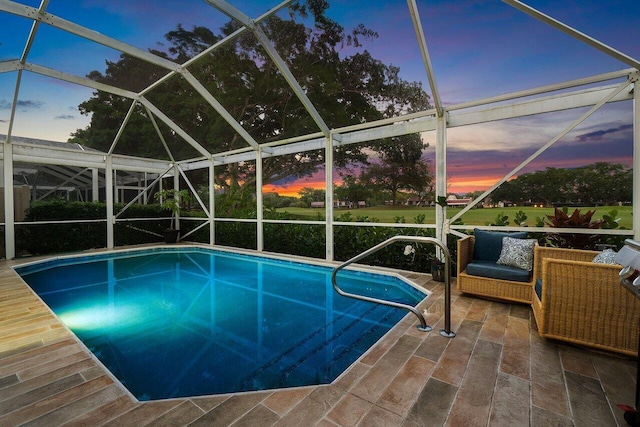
<point x="488" y="244"/>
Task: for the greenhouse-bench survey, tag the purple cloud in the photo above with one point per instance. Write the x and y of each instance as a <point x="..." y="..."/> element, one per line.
<point x="597" y="135"/>
<point x="22" y="105"/>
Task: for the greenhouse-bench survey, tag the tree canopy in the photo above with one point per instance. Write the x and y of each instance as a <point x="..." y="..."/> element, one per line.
<point x="600" y="183"/>
<point x="346" y="88"/>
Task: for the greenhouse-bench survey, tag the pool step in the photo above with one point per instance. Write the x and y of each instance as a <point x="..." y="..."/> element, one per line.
<point x="358" y="335"/>
<point x="349" y="332"/>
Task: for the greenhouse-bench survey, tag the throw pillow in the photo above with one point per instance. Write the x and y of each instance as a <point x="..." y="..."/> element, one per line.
<point x="488" y="244"/>
<point x="517" y="253"/>
<point x="608" y="256"/>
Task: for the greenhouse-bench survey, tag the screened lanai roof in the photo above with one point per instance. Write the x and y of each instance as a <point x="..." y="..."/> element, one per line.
<point x="479" y="62"/>
<point x="475" y="50"/>
<point x="50" y="177"/>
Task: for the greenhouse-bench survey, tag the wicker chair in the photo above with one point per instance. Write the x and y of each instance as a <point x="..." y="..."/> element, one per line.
<point x="582" y="302"/>
<point x="492" y="288"/>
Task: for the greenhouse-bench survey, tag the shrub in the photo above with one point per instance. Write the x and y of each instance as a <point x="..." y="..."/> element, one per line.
<point x="561" y="219"/>
<point x="41" y="239"/>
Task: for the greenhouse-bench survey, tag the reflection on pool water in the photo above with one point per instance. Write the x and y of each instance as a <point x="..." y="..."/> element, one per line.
<point x="177" y="322"/>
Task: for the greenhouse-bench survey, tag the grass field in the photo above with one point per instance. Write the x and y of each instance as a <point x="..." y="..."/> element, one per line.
<point x="387" y="214"/>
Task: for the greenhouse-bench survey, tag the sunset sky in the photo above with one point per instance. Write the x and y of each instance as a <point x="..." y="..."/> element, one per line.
<point x="479" y="48"/>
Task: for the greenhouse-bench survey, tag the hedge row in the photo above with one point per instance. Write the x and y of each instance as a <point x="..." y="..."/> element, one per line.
<point x="291" y="238"/>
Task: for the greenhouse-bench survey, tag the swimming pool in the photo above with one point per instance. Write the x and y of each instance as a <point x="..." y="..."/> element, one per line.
<point x="178" y="322"/>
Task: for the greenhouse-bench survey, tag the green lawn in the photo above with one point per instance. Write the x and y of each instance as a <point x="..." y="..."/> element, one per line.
<point x="473" y="217"/>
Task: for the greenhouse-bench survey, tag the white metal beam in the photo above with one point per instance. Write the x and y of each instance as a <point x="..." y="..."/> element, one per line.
<point x="157" y="128"/>
<point x="259" y="203"/>
<point x="441" y="177"/>
<point x="9" y="216"/>
<point x="108" y="191"/>
<point x="421" y="125"/>
<point x="598" y="78"/>
<point x="426" y="59"/>
<point x="55" y="156"/>
<point x="82" y="81"/>
<point x="32" y="32"/>
<point x="328" y="199"/>
<point x="122" y="126"/>
<point x="7" y="66"/>
<point x="300" y="147"/>
<point x="27" y="153"/>
<point x="95" y="184"/>
<point x="14" y="106"/>
<point x="212" y="203"/>
<point x="568" y="101"/>
<point x="176" y="186"/>
<point x="137" y="164"/>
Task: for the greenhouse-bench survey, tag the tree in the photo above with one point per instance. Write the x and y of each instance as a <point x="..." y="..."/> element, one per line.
<point x="603" y="183"/>
<point x="345" y="88"/>
<point x="401" y="167"/>
<point x="308" y="195"/>
<point x="274" y="200"/>
<point x="598" y="183"/>
<point x="548" y="186"/>
<point x="353" y="188"/>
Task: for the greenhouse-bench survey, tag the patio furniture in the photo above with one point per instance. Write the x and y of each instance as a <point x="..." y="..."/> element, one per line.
<point x="629" y="258"/>
<point x="479" y="273"/>
<point x="581" y="302"/>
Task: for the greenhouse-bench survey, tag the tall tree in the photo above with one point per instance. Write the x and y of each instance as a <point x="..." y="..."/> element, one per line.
<point x="353" y="189"/>
<point x="345" y="88"/>
<point x="400" y="167"/>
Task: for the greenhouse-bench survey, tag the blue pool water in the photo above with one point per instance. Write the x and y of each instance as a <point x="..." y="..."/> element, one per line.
<point x="194" y="321"/>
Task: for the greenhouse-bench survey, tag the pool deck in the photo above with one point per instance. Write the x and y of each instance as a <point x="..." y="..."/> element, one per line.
<point x="496" y="371"/>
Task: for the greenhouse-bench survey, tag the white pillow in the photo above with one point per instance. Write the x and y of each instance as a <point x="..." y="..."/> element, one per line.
<point x="517" y="253"/>
<point x="608" y="256"/>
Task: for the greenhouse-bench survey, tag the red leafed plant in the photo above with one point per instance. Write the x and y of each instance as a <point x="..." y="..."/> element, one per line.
<point x="561" y="219"/>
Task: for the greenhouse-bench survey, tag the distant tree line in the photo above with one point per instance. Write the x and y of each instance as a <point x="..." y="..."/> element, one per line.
<point x="601" y="183"/>
<point x="596" y="184"/>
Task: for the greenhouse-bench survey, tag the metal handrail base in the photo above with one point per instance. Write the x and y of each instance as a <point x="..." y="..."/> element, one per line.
<point x="446" y="332"/>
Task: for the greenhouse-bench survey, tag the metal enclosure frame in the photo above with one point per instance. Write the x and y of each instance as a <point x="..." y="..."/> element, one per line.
<point x="615" y="86"/>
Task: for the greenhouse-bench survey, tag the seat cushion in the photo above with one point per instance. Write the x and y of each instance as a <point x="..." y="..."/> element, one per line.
<point x="497" y="271"/>
<point x="488" y="244"/>
<point x="538" y="288"/>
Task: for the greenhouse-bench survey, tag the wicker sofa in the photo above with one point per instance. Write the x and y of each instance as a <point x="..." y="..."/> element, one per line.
<point x="489" y="287"/>
<point x="582" y="302"/>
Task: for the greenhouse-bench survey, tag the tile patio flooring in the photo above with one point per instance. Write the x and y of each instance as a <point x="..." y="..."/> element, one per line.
<point x="496" y="371"/>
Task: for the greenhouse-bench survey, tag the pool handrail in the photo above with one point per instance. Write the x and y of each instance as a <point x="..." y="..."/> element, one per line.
<point x="446" y="332"/>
